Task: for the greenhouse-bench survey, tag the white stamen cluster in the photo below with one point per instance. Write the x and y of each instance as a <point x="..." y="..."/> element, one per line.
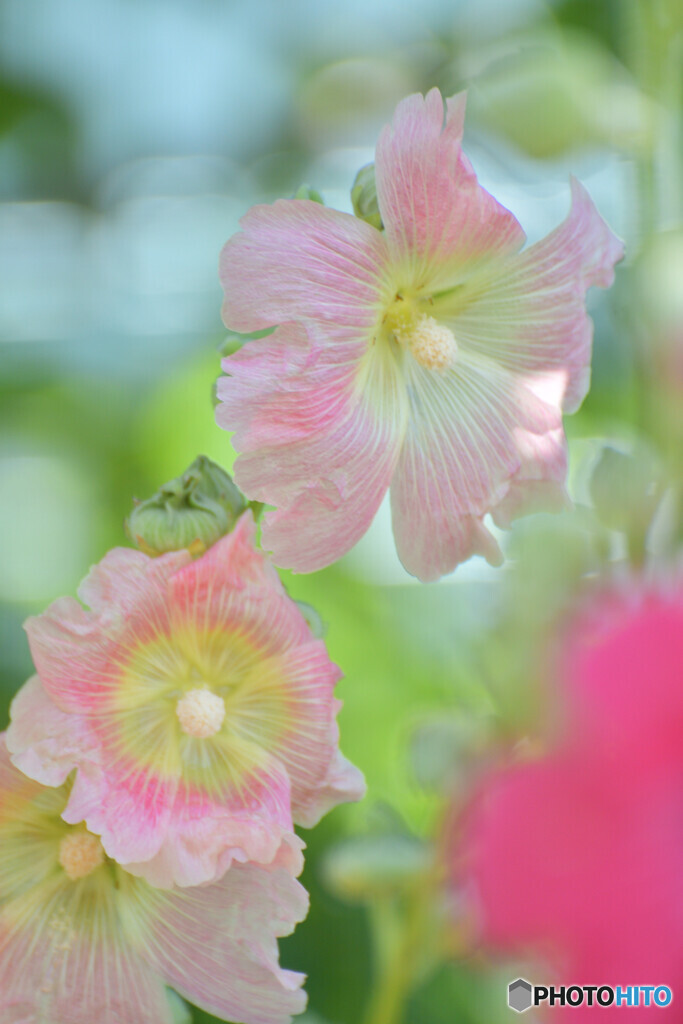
<point x="200" y="713"/>
<point x="80" y="853"/>
<point x="431" y="344"/>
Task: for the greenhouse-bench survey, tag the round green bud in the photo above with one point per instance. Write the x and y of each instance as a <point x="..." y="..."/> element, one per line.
<point x="364" y="197"/>
<point x="626" y="489"/>
<point x="363" y="868"/>
<point x="308" y="192"/>
<point x="193" y="511"/>
<point x="317" y="626"/>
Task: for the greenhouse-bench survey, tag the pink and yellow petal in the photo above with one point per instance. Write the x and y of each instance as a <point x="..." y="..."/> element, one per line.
<point x="528" y="312"/>
<point x="217" y="944"/>
<point x="79" y="653"/>
<point x="291" y="711"/>
<point x="468" y="438"/>
<point x="103" y="947"/>
<point x="204" y="834"/>
<point x="128" y="807"/>
<point x="319" y="264"/>
<point x="438" y="219"/>
<point x="345" y="426"/>
<point x="232" y="603"/>
<point x="59" y="977"/>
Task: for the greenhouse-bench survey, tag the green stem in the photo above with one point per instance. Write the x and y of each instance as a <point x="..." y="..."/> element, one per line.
<point x="398" y="944"/>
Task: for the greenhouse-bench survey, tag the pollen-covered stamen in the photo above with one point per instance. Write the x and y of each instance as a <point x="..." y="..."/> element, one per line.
<point x="80" y="853"/>
<point x="200" y="713"/>
<point x="431" y="344"/>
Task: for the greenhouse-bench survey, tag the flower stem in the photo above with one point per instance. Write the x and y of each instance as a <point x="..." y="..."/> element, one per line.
<point x="399" y="931"/>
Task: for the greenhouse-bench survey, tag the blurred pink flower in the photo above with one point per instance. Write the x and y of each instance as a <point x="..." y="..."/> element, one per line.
<point x="195" y="704"/>
<point x="433" y="356"/>
<point x="578" y="857"/>
<point x="83" y="941"/>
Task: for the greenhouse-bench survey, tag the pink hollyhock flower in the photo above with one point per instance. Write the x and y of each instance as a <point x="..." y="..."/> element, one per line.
<point x="432" y="356"/>
<point x="578" y="857"/>
<point x="83" y="941"/>
<point x="196" y="706"/>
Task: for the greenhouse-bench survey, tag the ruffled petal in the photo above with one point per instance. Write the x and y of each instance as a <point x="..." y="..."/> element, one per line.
<point x="204" y="837"/>
<point x="103" y="947"/>
<point x="470" y="438"/>
<point x="298" y="260"/>
<point x="127" y="805"/>
<point x="438" y="219"/>
<point x="77" y="652"/>
<point x="343" y="783"/>
<point x="119" y="581"/>
<point x="320" y="440"/>
<point x="233" y="586"/>
<point x="45" y="742"/>
<point x="217" y="944"/>
<point x="528" y="312"/>
<point x="64" y="957"/>
<point x="539" y="483"/>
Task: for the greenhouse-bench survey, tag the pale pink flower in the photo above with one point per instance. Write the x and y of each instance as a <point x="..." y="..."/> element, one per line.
<point x="84" y="942"/>
<point x="195" y="704"/>
<point x="434" y="356"/>
<point x="577" y="858"/>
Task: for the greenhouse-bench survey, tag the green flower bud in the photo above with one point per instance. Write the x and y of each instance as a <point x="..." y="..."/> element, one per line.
<point x="444" y="748"/>
<point x="193" y="511"/>
<point x="626" y="490"/>
<point x="366" y="867"/>
<point x="317" y="626"/>
<point x="308" y="192"/>
<point x="364" y="197"/>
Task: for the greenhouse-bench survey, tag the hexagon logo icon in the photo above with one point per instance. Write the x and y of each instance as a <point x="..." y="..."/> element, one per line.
<point x="519" y="995"/>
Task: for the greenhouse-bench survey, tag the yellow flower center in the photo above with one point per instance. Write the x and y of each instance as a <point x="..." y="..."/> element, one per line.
<point x="430" y="343"/>
<point x="200" y="713"/>
<point x="80" y="853"/>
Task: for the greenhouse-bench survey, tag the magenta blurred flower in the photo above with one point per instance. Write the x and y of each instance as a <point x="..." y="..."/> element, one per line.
<point x="84" y="942"/>
<point x="578" y="857"/>
<point x="433" y="356"/>
<point x="196" y="705"/>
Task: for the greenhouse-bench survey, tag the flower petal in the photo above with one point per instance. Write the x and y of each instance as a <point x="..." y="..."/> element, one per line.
<point x="216" y="944"/>
<point x="46" y="743"/>
<point x="104" y="946"/>
<point x="538" y="485"/>
<point x="203" y="837"/>
<point x="298" y="260"/>
<point x="436" y="215"/>
<point x="63" y="956"/>
<point x="468" y="439"/>
<point x="74" y="649"/>
<point x="117" y="583"/>
<point x="528" y="313"/>
<point x="234" y="586"/>
<point x="625" y="643"/>
<point x="343" y="783"/>
<point x="50" y="970"/>
<point x="320" y="440"/>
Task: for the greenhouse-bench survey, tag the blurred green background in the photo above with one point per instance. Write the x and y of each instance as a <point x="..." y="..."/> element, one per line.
<point x="133" y="135"/>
